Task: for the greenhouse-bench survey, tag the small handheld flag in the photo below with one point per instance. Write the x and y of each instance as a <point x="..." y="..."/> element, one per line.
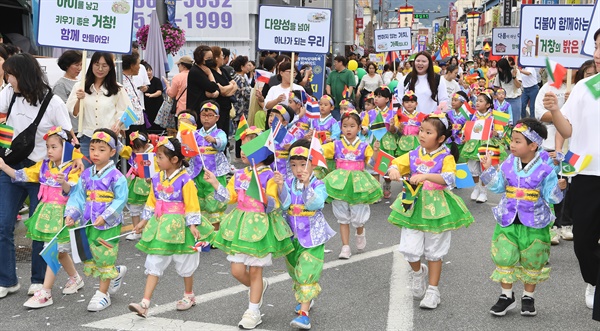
<point x="382" y="162"/>
<point x="378" y="127"/>
<point x="50" y="255"/>
<point x="593" y="86"/>
<point x="493" y="152"/>
<point x="278" y="131"/>
<point x="409" y="194"/>
<point x="184" y="126"/>
<point x="145" y="165"/>
<point x="262" y="76"/>
<point x="556" y="72"/>
<point x="255" y="189"/>
<point x="256" y="150"/>
<point x="464" y="178"/>
<point x="312" y="108"/>
<point x="346" y="92"/>
<point x="466" y="110"/>
<point x="316" y="153"/>
<point x="80" y="246"/>
<point x="478" y="130"/>
<point x="6" y="135"/>
<point x="70" y="153"/>
<point x="578" y="162"/>
<point x="242" y="126"/>
<point x="189" y="145"/>
<point x="129" y="117"/>
<point x="500" y="120"/>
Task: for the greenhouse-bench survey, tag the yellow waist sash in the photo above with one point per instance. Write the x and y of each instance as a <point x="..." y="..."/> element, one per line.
<point x="100" y="196"/>
<point x="207" y="150"/>
<point x="298" y="210"/>
<point x="518" y="193"/>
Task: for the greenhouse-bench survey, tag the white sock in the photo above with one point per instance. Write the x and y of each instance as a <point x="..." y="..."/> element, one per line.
<point x="253" y="306"/>
<point x="529" y="294"/>
<point x="507" y="292"/>
<point x="431" y="287"/>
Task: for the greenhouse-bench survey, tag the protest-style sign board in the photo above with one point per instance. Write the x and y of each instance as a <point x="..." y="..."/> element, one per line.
<point x="589" y="43"/>
<point x="554" y="31"/>
<point x="294" y="29"/>
<point x="317" y="63"/>
<point x="505" y="41"/>
<point x="100" y="25"/>
<point x="396" y="39"/>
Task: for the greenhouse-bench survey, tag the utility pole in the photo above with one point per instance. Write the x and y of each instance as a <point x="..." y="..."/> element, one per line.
<point x="339" y="16"/>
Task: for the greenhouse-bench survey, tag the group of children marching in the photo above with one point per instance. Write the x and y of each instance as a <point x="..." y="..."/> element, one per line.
<point x="185" y="202"/>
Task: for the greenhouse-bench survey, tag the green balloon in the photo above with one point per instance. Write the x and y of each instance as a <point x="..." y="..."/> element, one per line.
<point x="360" y="72"/>
<point x="392" y="85"/>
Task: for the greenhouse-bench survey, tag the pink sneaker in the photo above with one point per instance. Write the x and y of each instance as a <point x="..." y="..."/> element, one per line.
<point x="186" y="303"/>
<point x="141" y="309"/>
<point x="39" y="299"/>
<point x="346" y="253"/>
<point x="361" y="241"/>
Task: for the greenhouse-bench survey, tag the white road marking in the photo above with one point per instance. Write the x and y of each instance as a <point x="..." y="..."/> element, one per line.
<point x="131" y="322"/>
<point x="400" y="314"/>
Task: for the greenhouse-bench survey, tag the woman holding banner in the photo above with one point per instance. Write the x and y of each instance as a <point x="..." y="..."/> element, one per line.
<point x="104" y="100"/>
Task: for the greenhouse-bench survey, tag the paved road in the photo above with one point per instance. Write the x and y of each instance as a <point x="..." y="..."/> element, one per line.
<point x="367" y="292"/>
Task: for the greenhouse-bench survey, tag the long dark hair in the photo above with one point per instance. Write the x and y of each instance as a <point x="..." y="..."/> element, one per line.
<point x="32" y="83"/>
<point x="110" y="80"/>
<point x="181" y="161"/>
<point x="581" y="71"/>
<point x="441" y="130"/>
<point x="413" y="76"/>
<point x="504" y="71"/>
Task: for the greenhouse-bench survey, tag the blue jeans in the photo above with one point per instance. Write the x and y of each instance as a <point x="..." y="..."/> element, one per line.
<point x="515" y="104"/>
<point x="529" y="95"/>
<point x="12" y="196"/>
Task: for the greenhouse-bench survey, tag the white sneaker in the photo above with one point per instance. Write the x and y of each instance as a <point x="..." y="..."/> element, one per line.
<point x="418" y="284"/>
<point x="361" y="241"/>
<point x="345" y="253"/>
<point x="134" y="236"/>
<point x="554" y="236"/>
<point x="431" y="299"/>
<point x="100" y="301"/>
<point x="39" y="300"/>
<point x="34" y="288"/>
<point x="566" y="232"/>
<point x="262" y="296"/>
<point x="482" y="195"/>
<point x="115" y="283"/>
<point x="72" y="285"/>
<point x="590" y="291"/>
<point x="475" y="193"/>
<point x="4" y="291"/>
<point x="250" y="320"/>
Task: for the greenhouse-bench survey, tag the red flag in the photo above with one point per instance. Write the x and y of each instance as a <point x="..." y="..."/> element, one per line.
<point x="316" y="153"/>
<point x="189" y="146"/>
<point x="346" y="92"/>
<point x="445" y="50"/>
<point x="382" y="162"/>
<point x="478" y="130"/>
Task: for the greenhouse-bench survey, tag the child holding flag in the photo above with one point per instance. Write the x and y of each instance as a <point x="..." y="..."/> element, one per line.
<point x="56" y="177"/>
<point x="369" y="111"/>
<point x="349" y="185"/>
<point x="409" y="122"/>
<point x="326" y="129"/>
<point x="523" y="216"/>
<point x="279" y="117"/>
<point x="255" y="231"/>
<point x="478" y="139"/>
<point x="458" y="116"/>
<point x="303" y="197"/>
<point x="300" y="125"/>
<point x="428" y="210"/>
<point x="139" y="188"/>
<point x="171" y="224"/>
<point x="98" y="199"/>
<point x="211" y="142"/>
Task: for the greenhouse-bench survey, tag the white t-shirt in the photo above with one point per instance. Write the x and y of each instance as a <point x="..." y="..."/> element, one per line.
<point x="141" y="79"/>
<point x="583" y="112"/>
<point x="370" y="83"/>
<point x="23" y="114"/>
<point x="549" y="144"/>
<point x="530" y="80"/>
<point x="387" y="77"/>
<point x="511" y="90"/>
<point x="451" y="86"/>
<point x="426" y="105"/>
<point x="276" y="90"/>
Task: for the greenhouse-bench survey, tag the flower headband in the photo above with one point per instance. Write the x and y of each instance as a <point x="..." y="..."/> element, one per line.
<point x="409" y="94"/>
<point x="136" y="135"/>
<point x="57" y="130"/>
<point x="500" y="90"/>
<point x="211" y="106"/>
<point x="295" y="98"/>
<point x="347" y="103"/>
<point x="370" y="96"/>
<point x="164" y="141"/>
<point x="299" y="151"/>
<point x="328" y="98"/>
<point x="187" y="116"/>
<point x="349" y="112"/>
<point x="103" y="136"/>
<point x="281" y="109"/>
<point x="529" y="134"/>
<point x="459" y="97"/>
<point x="440" y="116"/>
<point x="250" y="130"/>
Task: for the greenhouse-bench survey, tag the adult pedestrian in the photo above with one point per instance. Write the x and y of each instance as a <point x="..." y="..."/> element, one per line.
<point x="200" y="80"/>
<point x="340" y="79"/>
<point x="280" y="93"/>
<point x="70" y="63"/>
<point x="492" y="72"/>
<point x="131" y="68"/>
<point x="509" y="78"/>
<point x="103" y="99"/>
<point x="450" y="80"/>
<point x="3" y="57"/>
<point x="587" y="69"/>
<point x="177" y="88"/>
<point x="428" y="86"/>
<point x="226" y="62"/>
<point x="227" y="88"/>
<point x="153" y="98"/>
<point x="530" y="90"/>
<point x="241" y="66"/>
<point x="23" y="101"/>
<point x="369" y="82"/>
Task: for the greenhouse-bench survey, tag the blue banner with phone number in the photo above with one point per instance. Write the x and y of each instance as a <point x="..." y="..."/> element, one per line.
<point x="317" y="62"/>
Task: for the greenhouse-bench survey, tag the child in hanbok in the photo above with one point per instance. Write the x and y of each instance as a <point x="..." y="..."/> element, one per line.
<point x="255" y="231"/>
<point x="97" y="201"/>
<point x="457" y="119"/>
<point x="282" y="113"/>
<point x="523" y="217"/>
<point x="301" y="123"/>
<point x="56" y="180"/>
<point x="428" y="211"/>
<point x="326" y="129"/>
<point x="171" y="224"/>
<point x="409" y="123"/>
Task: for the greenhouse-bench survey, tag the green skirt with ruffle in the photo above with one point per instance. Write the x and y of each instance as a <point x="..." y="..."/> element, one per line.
<point x="389" y="143"/>
<point x="139" y="189"/>
<point x="210" y="207"/>
<point x="433" y="211"/>
<point x="406" y="144"/>
<point x="321" y="172"/>
<point x="45" y="223"/>
<point x="353" y="186"/>
<point x="255" y="234"/>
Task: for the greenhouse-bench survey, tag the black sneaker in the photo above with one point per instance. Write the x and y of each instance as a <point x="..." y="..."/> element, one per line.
<point x="528" y="306"/>
<point x="503" y="305"/>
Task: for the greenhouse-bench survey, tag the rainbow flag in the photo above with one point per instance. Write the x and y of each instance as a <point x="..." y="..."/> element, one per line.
<point x="473" y="14"/>
<point x="346" y="92"/>
<point x="406" y="10"/>
<point x="242" y="126"/>
<point x="6" y="135"/>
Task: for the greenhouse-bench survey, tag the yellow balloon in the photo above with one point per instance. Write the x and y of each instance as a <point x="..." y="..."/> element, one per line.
<point x="461" y="174"/>
<point x="352" y="65"/>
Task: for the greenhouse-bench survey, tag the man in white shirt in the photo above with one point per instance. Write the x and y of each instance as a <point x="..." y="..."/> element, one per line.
<point x="530" y="90"/>
<point x="140" y="80"/>
<point x="450" y="79"/>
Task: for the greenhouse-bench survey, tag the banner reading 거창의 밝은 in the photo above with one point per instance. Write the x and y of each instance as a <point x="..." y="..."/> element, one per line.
<point x="397" y="39"/>
<point x="505" y="41"/>
<point x="589" y="44"/>
<point x="294" y="29"/>
<point x="553" y="31"/>
<point x="93" y="25"/>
